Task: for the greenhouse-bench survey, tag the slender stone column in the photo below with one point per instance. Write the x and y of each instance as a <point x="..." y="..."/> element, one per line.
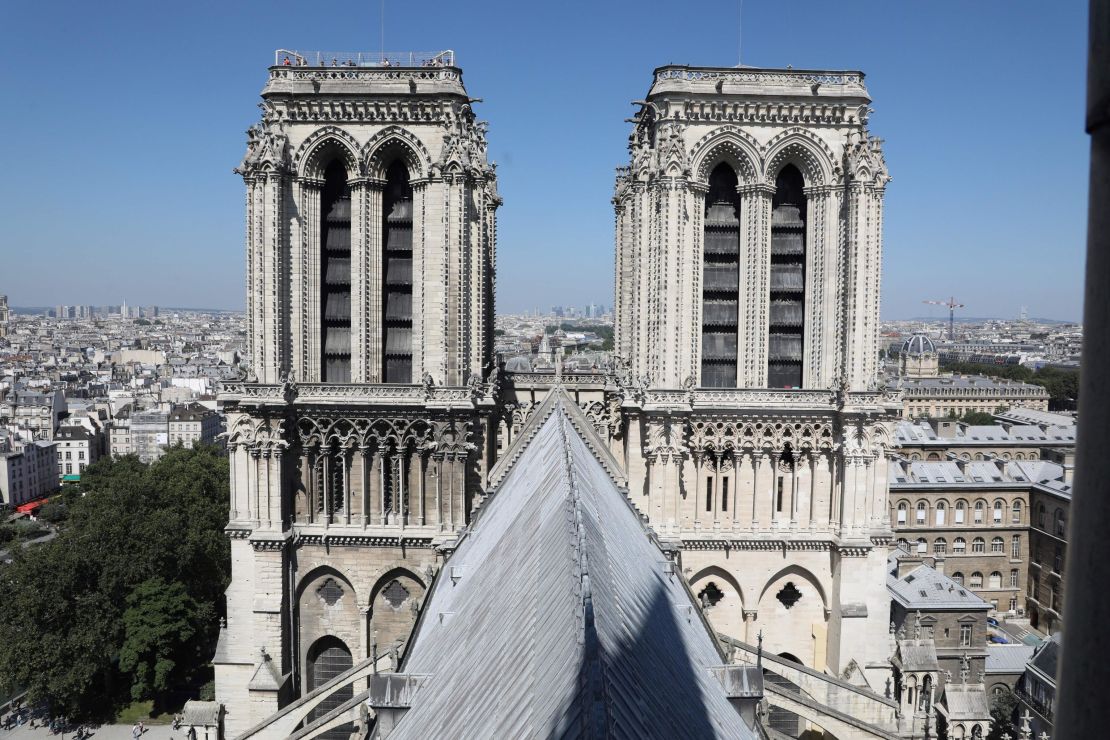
<point x="310" y="483"/>
<point x="716" y="490"/>
<point x="419" y="259"/>
<point x="327" y="485"/>
<point x="675" y="489"/>
<point x="370" y="279"/>
<point x="423" y="460"/>
<point x="437" y="459"/>
<point x="775" y="457"/>
<point x="360" y="303"/>
<point x="699" y="501"/>
<point x="460" y="471"/>
<point x="750" y="615"/>
<point x="310" y="269"/>
<point x="755" y="265"/>
<point x="813" y="458"/>
<point x="364" y="462"/>
<point x="252" y="484"/>
<point x="383" y="502"/>
<point x="364" y="631"/>
<point x="268" y="363"/>
<point x="867" y="520"/>
<point x="345" y="461"/>
<point x="233" y="453"/>
<point x="452" y="473"/>
<point x="402" y="504"/>
<point x="267" y="466"/>
<point x="794" y="491"/>
<point x="757" y="466"/>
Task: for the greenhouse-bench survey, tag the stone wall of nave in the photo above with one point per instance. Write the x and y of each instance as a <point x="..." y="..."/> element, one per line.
<point x="783" y="594"/>
<point x="362" y="595"/>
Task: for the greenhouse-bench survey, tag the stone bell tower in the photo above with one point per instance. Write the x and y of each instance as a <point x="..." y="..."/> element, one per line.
<point x="748" y="263"/>
<point x="361" y="437"/>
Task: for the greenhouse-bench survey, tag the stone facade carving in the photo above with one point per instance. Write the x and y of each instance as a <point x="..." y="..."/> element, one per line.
<point x="760" y="469"/>
<point x="775" y="496"/>
<point x="355" y="483"/>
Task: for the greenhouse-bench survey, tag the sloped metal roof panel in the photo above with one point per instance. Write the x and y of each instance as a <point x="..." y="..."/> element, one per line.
<point x="556" y="617"/>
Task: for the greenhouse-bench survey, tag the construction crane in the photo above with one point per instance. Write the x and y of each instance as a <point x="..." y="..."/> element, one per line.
<point x="952" y="306"/>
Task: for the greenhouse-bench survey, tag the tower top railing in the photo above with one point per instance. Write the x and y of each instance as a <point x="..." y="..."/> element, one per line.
<point x="300" y="58"/>
<point x="759" y="75"/>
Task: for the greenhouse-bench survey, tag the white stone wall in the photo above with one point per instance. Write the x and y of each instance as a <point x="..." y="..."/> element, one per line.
<point x="307" y="124"/>
<point x="689" y="124"/>
<point x="283" y="548"/>
<point x="829" y="536"/>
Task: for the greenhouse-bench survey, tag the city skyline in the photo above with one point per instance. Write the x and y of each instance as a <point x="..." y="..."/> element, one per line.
<point x="125" y="236"/>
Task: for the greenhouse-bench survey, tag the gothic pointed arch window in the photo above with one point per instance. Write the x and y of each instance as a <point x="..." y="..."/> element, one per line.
<point x="397" y="275"/>
<point x="787" y="299"/>
<point x="720" y="280"/>
<point x="327" y="658"/>
<point x="335" y="288"/>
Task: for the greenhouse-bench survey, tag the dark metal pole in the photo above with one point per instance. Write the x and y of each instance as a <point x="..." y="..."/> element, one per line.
<point x="1084" y="671"/>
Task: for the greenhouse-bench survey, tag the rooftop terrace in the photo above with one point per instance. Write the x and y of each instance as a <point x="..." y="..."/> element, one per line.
<point x="377" y="59"/>
<point x="760" y="81"/>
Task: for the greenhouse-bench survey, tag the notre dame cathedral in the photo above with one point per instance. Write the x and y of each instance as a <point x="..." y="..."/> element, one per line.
<point x="744" y="413"/>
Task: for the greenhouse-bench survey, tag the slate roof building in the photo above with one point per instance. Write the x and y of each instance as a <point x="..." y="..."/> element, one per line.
<point x="940" y="631"/>
<point x="1037" y="688"/>
<point x="956" y="395"/>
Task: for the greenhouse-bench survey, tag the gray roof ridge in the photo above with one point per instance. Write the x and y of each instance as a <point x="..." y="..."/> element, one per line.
<point x="516" y="448"/>
<point x="558" y="398"/>
<point x="592" y="681"/>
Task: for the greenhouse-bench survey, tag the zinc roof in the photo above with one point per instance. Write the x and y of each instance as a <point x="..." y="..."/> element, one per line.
<point x="558" y="615"/>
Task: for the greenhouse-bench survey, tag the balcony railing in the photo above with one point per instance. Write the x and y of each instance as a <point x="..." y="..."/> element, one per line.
<point x="1042" y="708"/>
<point x="295" y="58"/>
<point x="765" y="76"/>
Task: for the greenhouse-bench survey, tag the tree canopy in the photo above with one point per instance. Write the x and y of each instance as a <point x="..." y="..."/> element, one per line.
<point x="1062" y="385"/>
<point x="123" y="604"/>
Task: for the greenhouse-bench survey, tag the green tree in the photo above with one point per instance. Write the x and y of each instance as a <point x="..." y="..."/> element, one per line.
<point x="977" y="418"/>
<point x="1062" y="385"/>
<point x="53" y="512"/>
<point x="158" y="627"/>
<point x="63" y="604"/>
<point x="1003" y="706"/>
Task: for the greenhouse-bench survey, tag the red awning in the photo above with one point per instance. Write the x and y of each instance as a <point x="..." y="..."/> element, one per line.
<point x="31" y="506"/>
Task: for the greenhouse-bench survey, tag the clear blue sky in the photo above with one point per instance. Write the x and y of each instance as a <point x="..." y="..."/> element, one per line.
<point x="122" y="120"/>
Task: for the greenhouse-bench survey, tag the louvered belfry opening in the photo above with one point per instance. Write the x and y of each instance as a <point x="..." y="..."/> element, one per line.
<point x="335" y="289"/>
<point x="788" y="260"/>
<point x="397" y="276"/>
<point x="720" y="280"/>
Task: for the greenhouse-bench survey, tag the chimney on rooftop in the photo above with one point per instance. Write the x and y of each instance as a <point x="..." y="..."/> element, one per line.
<point x="945" y="428"/>
<point x="908" y="562"/>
